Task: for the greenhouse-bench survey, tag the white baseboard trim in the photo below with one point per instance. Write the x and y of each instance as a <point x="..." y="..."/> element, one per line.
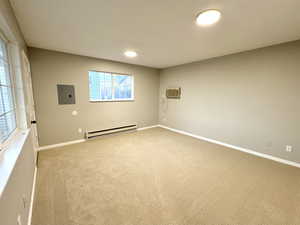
<point x="252" y="152"/>
<point x="145" y="128"/>
<point x="42" y="148"/>
<point x="32" y="197"/>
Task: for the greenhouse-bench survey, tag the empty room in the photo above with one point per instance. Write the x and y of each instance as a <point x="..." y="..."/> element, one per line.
<point x="149" y="112"/>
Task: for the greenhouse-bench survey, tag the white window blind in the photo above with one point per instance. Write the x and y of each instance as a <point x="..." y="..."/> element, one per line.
<point x="7" y="106"/>
<point x="105" y="86"/>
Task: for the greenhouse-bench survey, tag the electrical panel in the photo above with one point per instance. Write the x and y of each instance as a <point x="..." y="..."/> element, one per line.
<point x="66" y="94"/>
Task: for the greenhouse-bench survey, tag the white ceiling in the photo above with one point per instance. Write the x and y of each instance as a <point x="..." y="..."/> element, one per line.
<point x="163" y="32"/>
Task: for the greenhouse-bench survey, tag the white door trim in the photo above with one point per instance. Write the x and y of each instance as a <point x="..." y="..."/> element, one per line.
<point x="30" y="100"/>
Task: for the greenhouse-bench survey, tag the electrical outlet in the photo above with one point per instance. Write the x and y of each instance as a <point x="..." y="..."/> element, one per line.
<point x="288" y="148"/>
<point x="19" y="221"/>
<point x="79" y="130"/>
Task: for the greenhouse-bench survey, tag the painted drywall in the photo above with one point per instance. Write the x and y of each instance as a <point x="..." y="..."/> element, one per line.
<point x="16" y="197"/>
<point x="56" y="123"/>
<point x="19" y="184"/>
<point x="250" y="99"/>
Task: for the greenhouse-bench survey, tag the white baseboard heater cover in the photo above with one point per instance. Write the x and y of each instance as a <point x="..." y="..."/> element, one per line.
<point x="97" y="133"/>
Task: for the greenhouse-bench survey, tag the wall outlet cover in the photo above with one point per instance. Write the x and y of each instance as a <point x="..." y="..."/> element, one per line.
<point x="289" y="148"/>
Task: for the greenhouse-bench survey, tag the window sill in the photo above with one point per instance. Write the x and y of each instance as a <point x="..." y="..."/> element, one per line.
<point x="117" y="100"/>
<point x="9" y="156"/>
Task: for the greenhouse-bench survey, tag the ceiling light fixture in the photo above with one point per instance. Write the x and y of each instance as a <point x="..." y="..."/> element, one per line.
<point x="130" y="54"/>
<point x="208" y="17"/>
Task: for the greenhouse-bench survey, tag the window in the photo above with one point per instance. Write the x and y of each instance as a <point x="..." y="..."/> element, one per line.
<point x="106" y="86"/>
<point x="7" y="106"/>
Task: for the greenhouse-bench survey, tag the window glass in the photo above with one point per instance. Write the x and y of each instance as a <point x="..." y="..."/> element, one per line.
<point x="3" y="49"/>
<point x="4" y="74"/>
<point x="7" y="108"/>
<point x="106" y="86"/>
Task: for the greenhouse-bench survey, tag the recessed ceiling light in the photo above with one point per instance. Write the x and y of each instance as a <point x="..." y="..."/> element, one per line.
<point x="208" y="17"/>
<point x="130" y="54"/>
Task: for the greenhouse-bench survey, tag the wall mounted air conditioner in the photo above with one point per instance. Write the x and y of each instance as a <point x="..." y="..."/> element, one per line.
<point x="173" y="92"/>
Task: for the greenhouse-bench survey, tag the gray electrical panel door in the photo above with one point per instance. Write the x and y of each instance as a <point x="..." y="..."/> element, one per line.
<point x="66" y="94"/>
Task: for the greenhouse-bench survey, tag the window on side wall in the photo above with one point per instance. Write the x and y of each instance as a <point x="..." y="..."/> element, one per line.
<point x="7" y="105"/>
<point x="106" y="86"/>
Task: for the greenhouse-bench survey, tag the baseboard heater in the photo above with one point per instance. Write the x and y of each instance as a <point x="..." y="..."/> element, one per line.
<point x="97" y="133"/>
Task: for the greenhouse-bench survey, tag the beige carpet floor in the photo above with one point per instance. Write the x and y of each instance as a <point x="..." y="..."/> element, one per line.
<point x="158" y="177"/>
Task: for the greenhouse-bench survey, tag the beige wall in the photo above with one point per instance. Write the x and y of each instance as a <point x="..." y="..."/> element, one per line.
<point x="249" y="99"/>
<point x="20" y="181"/>
<point x="56" y="123"/>
<point x="18" y="186"/>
